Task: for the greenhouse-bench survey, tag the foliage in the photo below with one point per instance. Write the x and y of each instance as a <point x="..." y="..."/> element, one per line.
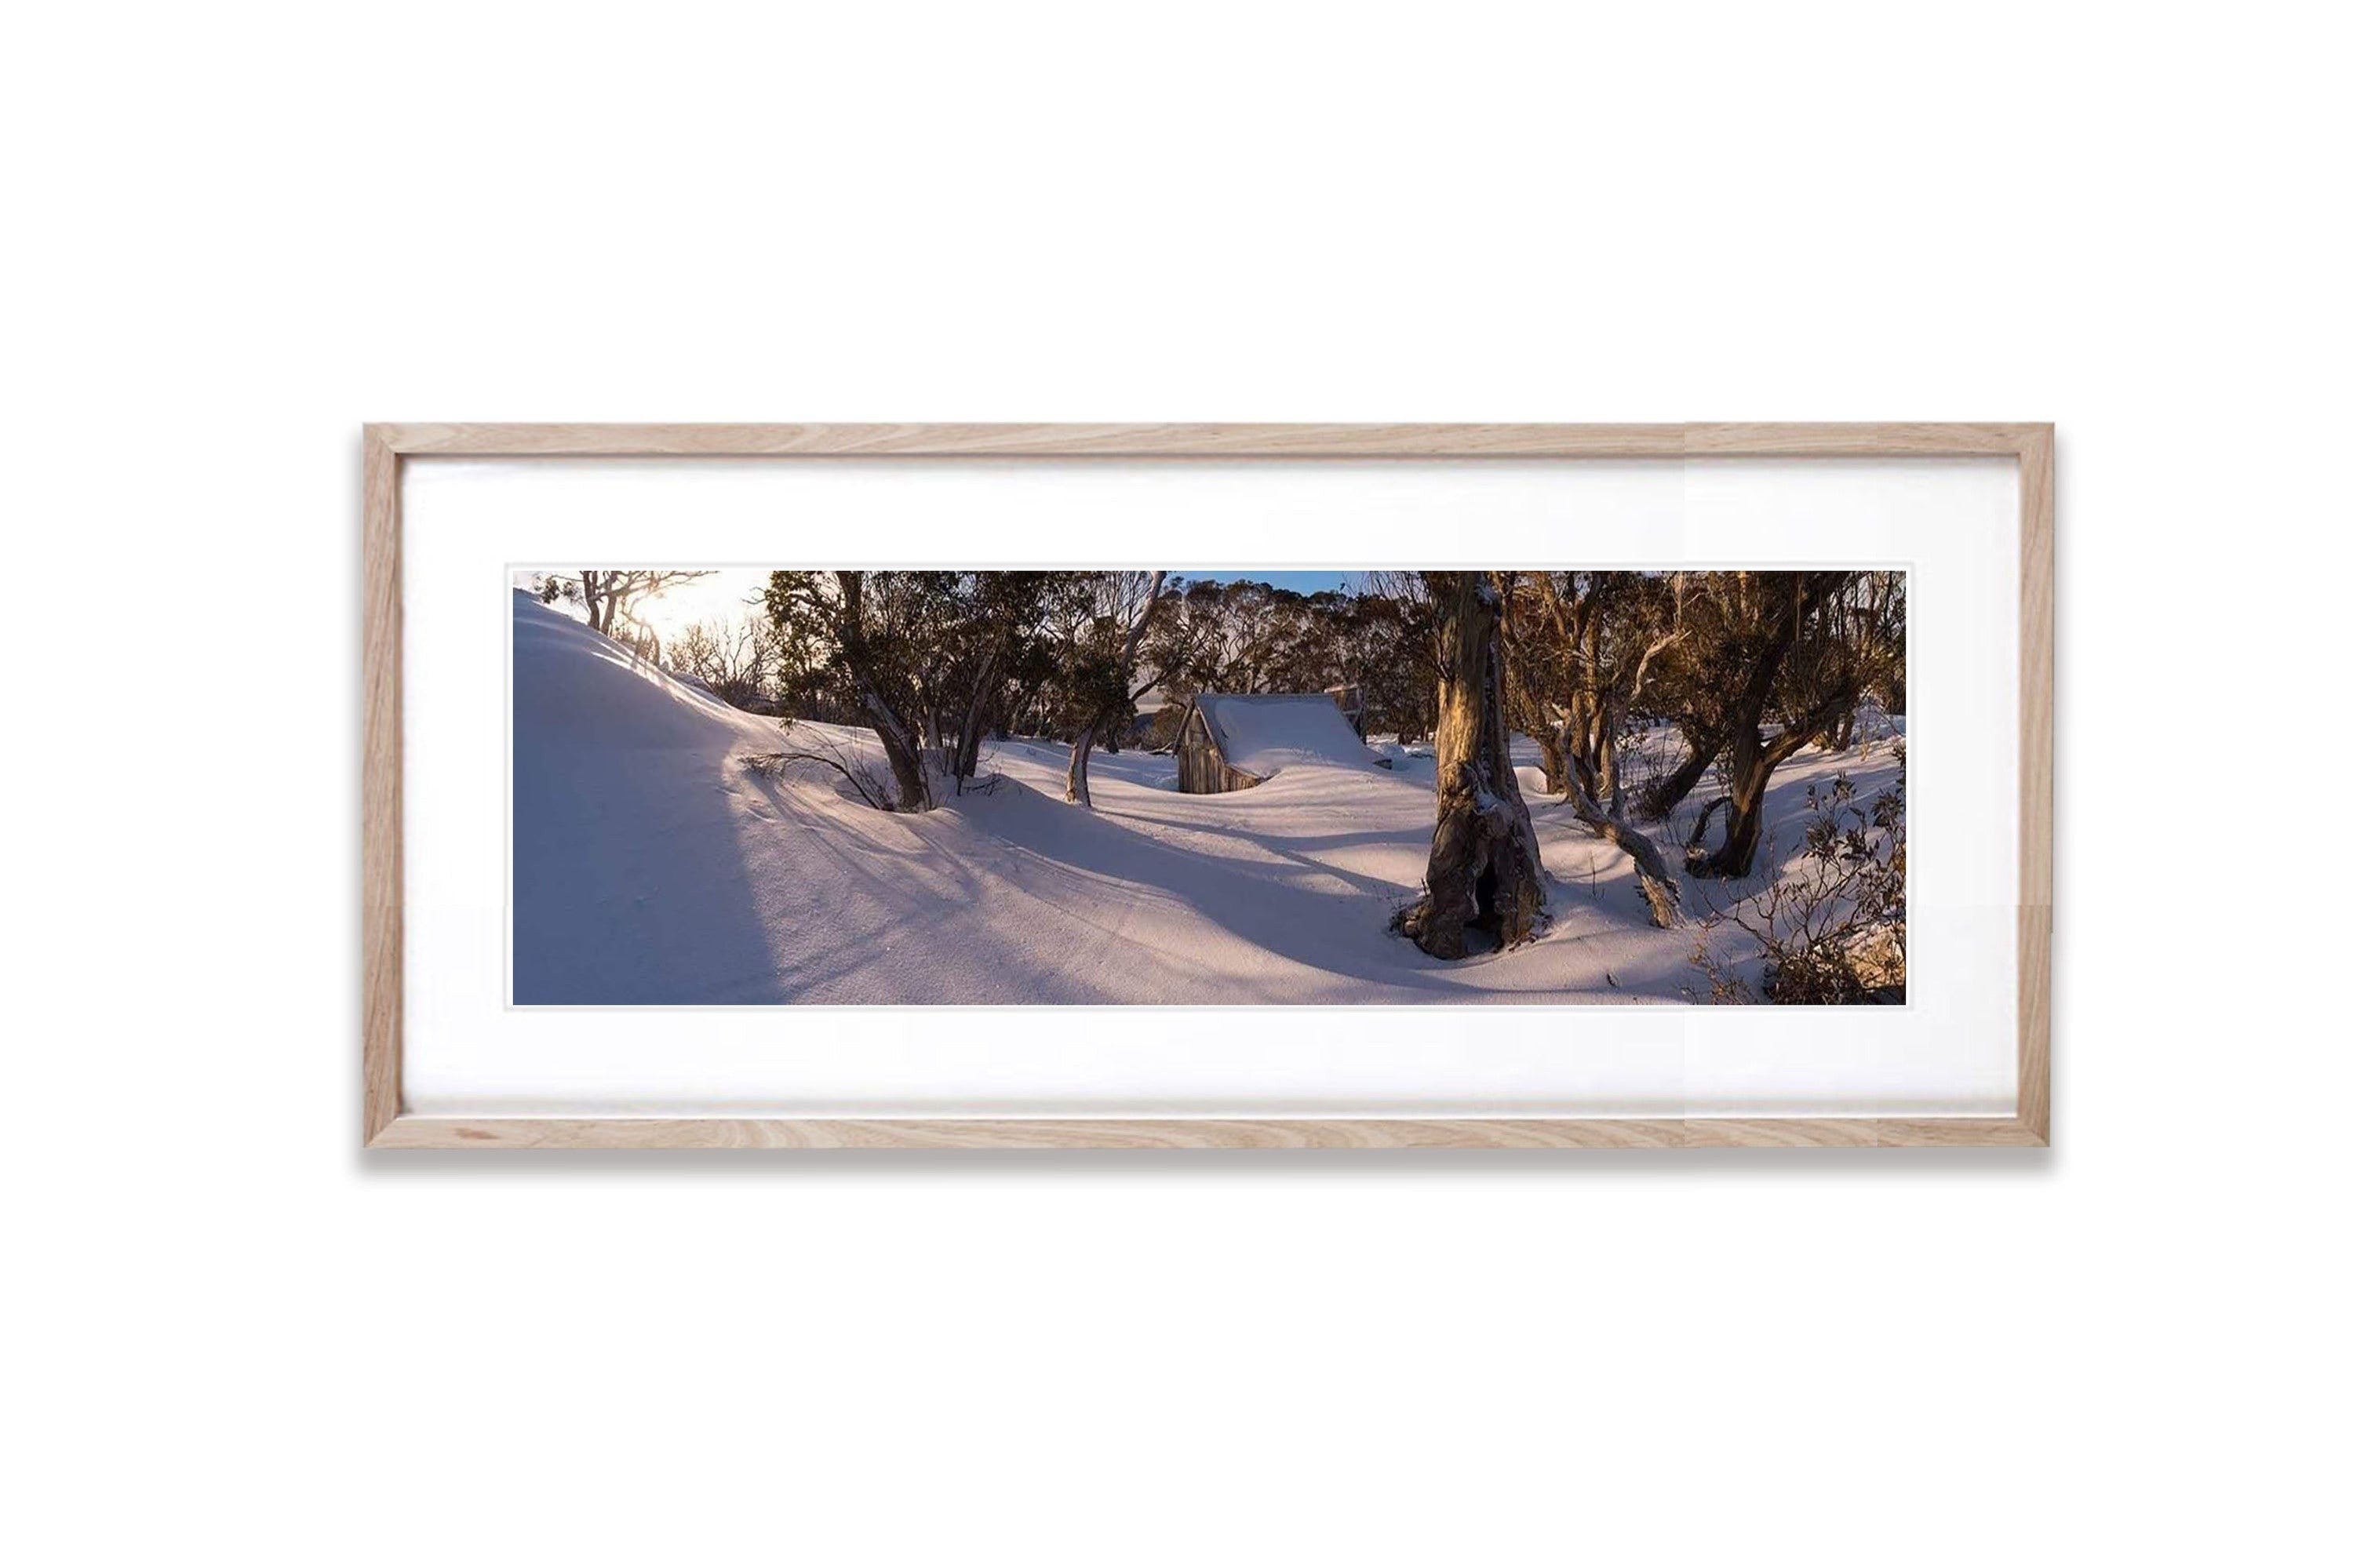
<point x="1245" y="637"/>
<point x="1084" y="679"/>
<point x="923" y="658"/>
<point x="1832" y="930"/>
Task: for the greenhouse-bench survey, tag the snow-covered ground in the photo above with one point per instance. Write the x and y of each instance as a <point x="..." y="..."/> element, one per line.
<point x="654" y="865"/>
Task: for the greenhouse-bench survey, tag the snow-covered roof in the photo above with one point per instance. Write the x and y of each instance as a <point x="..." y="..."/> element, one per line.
<point x="1261" y="734"/>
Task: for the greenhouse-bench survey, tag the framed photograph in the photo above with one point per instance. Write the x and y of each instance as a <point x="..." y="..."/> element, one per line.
<point x="1045" y="786"/>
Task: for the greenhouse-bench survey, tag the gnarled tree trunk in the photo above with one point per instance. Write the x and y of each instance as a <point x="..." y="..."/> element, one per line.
<point x="1744" y="814"/>
<point x="1753" y="757"/>
<point x="1662" y="794"/>
<point x="907" y="756"/>
<point x="1661" y="892"/>
<point x="899" y="743"/>
<point x="1752" y="763"/>
<point x="1485" y="872"/>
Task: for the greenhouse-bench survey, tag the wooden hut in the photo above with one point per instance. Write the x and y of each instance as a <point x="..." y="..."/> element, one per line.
<point x="1201" y="765"/>
<point x="1238" y="742"/>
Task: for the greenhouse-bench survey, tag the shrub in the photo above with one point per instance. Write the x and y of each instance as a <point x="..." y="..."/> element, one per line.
<point x="1832" y="928"/>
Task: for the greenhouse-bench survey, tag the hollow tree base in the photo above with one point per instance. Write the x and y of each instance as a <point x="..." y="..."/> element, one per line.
<point x="1484" y="872"/>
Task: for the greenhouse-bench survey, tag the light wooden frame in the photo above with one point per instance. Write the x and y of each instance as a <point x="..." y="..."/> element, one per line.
<point x="385" y="447"/>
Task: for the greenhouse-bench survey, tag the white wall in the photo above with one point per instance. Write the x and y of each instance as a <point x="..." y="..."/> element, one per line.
<point x="239" y="232"/>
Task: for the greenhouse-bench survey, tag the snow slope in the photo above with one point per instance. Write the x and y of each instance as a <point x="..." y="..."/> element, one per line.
<point x="653" y="866"/>
<point x="628" y="882"/>
<point x="1262" y="735"/>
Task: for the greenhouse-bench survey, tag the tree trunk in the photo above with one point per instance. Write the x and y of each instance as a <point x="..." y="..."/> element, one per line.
<point x="1076" y="788"/>
<point x="1693" y="853"/>
<point x="1753" y="761"/>
<point x="603" y="603"/>
<point x="1485" y="871"/>
<point x="1661" y="892"/>
<point x="966" y="760"/>
<point x="1663" y="796"/>
<point x="1744" y="812"/>
<point x="1838" y="734"/>
<point x="905" y="756"/>
<point x="1556" y="759"/>
<point x="1576" y="740"/>
<point x="899" y="743"/>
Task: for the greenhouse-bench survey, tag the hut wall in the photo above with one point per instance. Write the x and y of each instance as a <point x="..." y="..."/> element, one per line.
<point x="1199" y="769"/>
<point x="1351" y="699"/>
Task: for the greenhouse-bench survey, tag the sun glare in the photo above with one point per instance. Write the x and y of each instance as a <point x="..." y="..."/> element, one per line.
<point x="727" y="595"/>
<point x="721" y="596"/>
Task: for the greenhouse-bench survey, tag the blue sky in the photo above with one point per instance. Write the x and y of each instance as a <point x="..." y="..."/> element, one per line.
<point x="1297" y="581"/>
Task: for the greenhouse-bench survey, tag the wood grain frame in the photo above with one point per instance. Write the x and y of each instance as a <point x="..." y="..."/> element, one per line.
<point x="386" y="447"/>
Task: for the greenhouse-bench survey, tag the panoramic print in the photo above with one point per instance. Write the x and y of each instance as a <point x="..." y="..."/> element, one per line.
<point x="754" y="785"/>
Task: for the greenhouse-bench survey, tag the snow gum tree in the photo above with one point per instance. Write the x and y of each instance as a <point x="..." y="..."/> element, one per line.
<point x="1485" y="871"/>
<point x="1103" y="619"/>
<point x="1767" y="662"/>
<point x="1582" y="645"/>
<point x="1588" y="644"/>
<point x="1725" y="618"/>
<point x="987" y="621"/>
<point x="877" y="672"/>
<point x="1392" y="640"/>
<point x="920" y="657"/>
<point x="1799" y="673"/>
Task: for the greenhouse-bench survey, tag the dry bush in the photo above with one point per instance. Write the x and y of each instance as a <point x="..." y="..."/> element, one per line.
<point x="818" y="749"/>
<point x="1832" y="928"/>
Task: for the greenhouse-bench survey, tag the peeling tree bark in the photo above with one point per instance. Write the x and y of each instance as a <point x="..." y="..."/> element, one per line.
<point x="1485" y="871"/>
